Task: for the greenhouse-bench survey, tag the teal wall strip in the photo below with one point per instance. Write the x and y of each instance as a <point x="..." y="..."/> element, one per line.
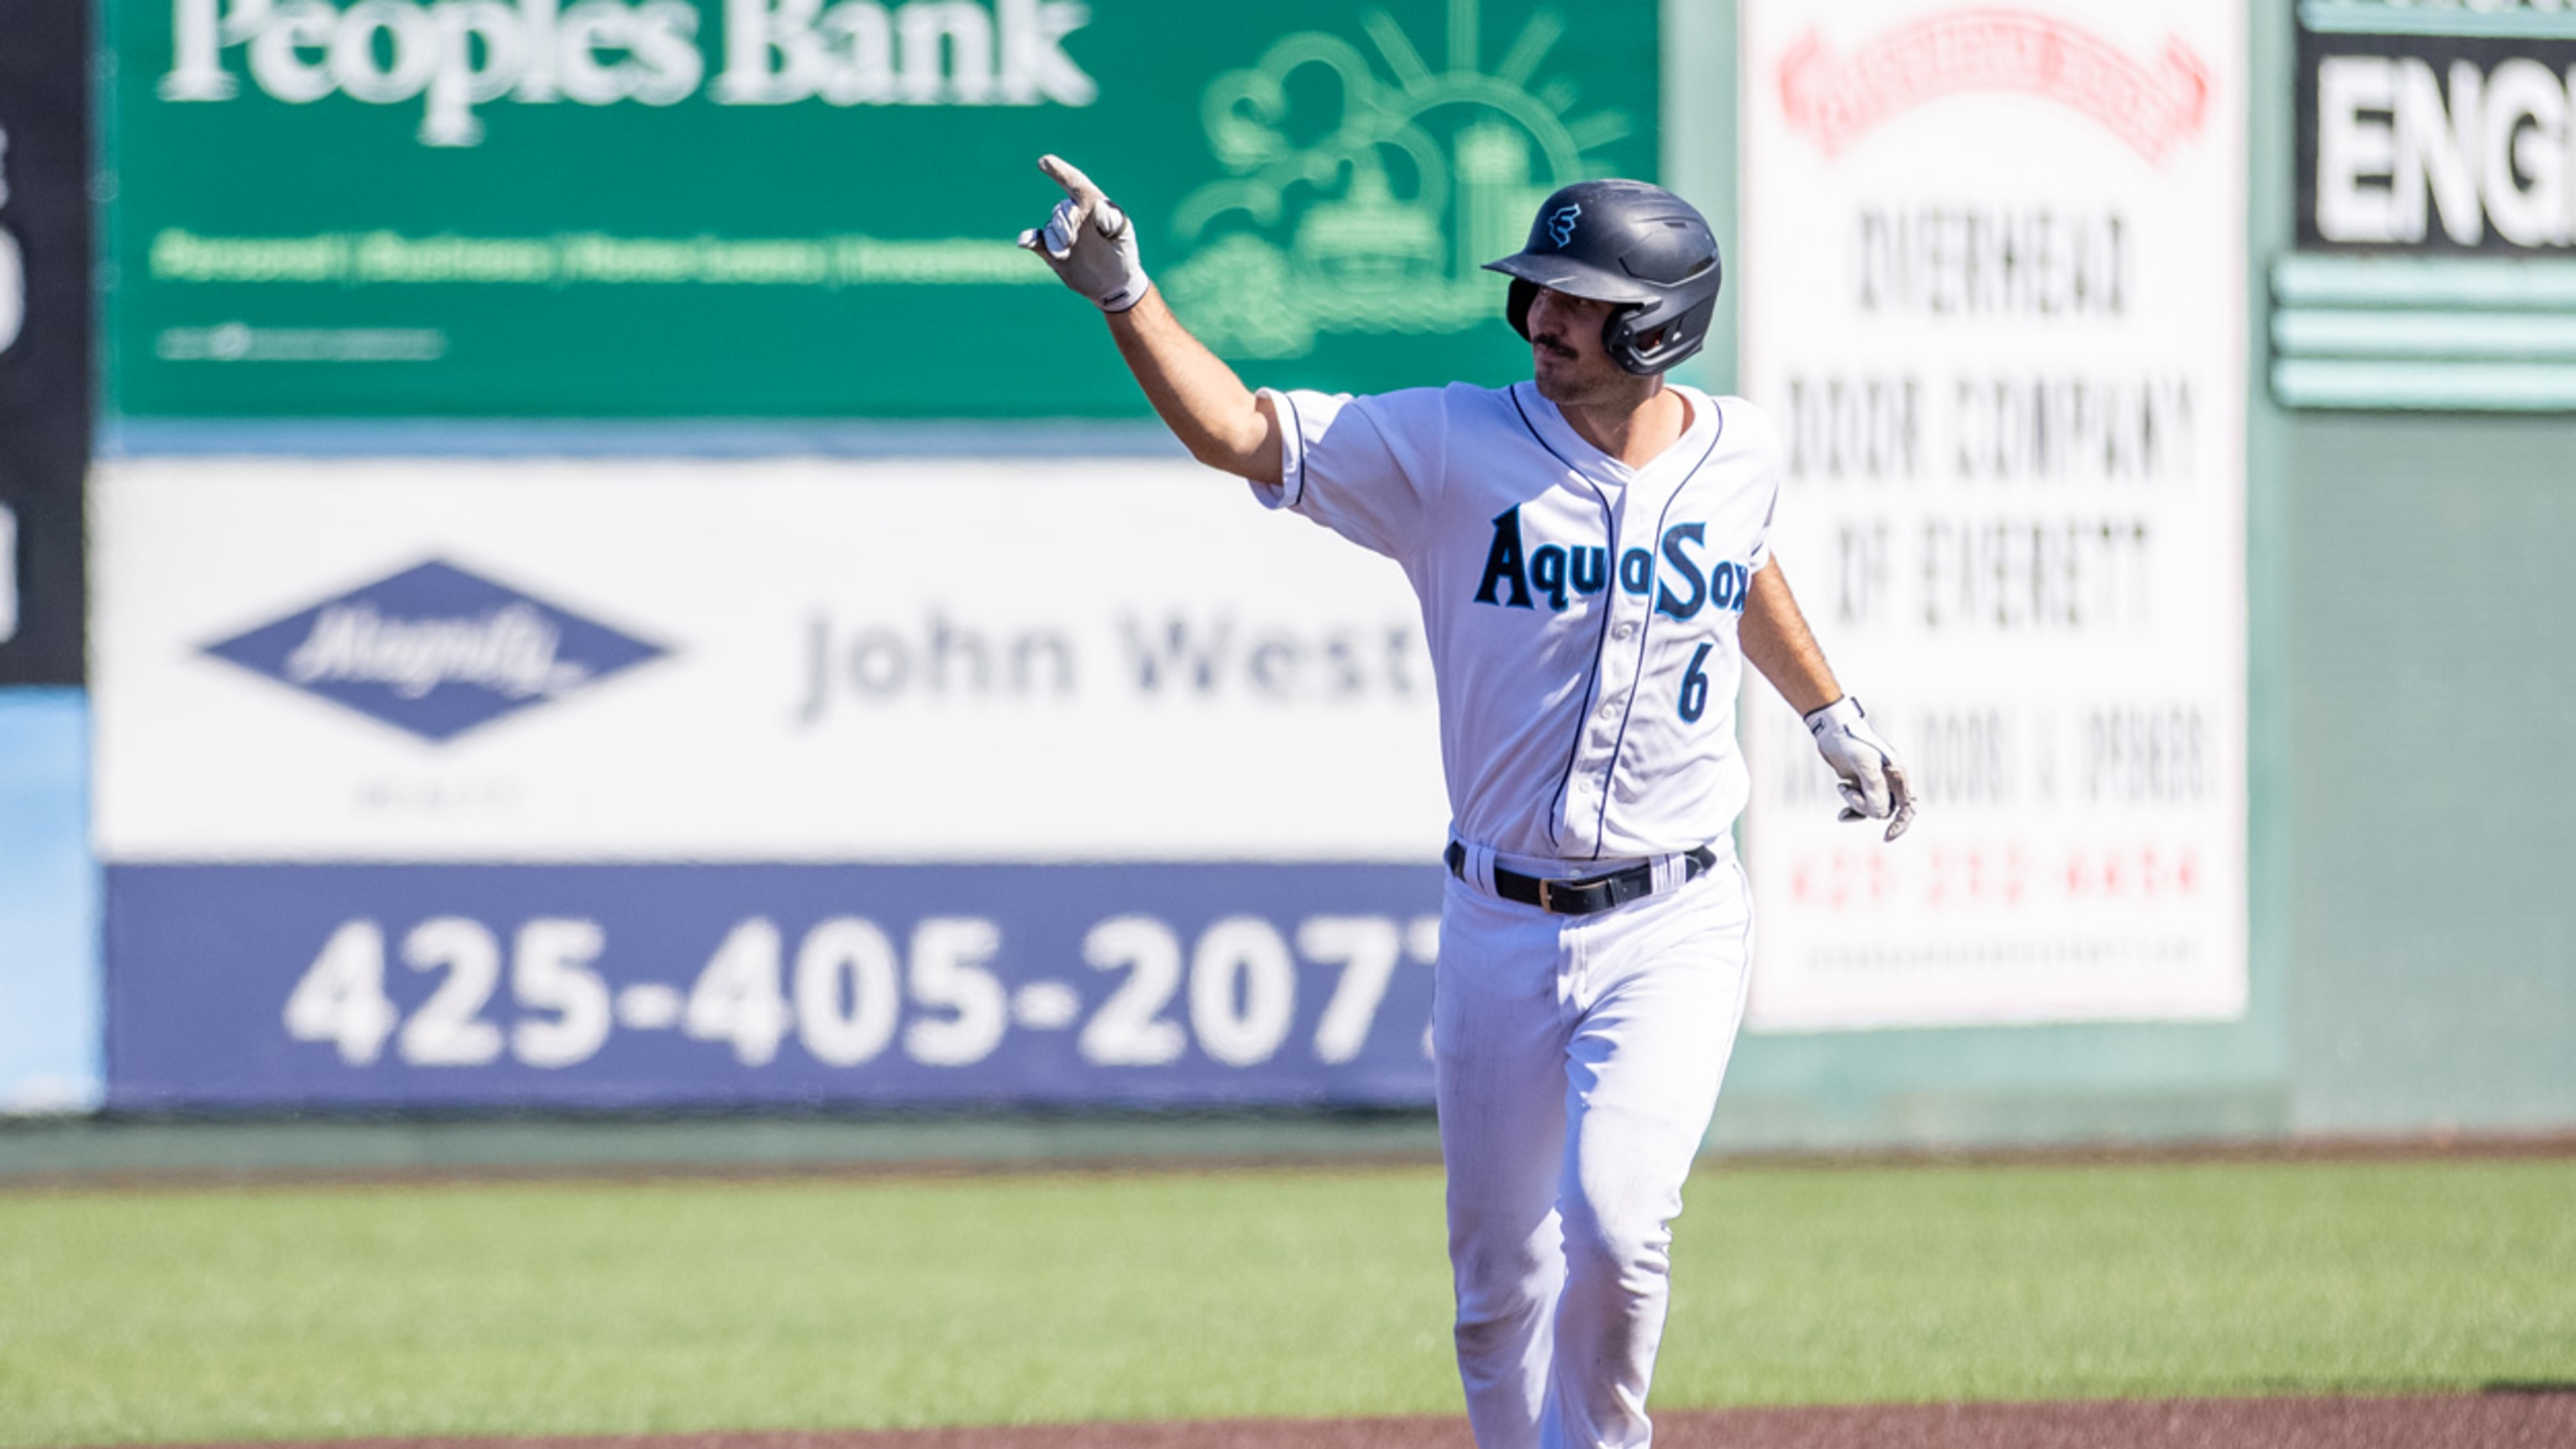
<point x="2311" y="281"/>
<point x="2424" y="386"/>
<point x="2466" y="335"/>
<point x="2376" y="17"/>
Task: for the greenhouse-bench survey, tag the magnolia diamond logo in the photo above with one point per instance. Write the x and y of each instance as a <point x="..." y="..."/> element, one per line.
<point x="436" y="651"/>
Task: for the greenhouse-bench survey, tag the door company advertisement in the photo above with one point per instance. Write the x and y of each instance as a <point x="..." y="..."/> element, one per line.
<point x="1993" y="282"/>
<point x="595" y="784"/>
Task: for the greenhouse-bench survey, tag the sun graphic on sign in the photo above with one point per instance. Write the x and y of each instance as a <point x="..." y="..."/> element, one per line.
<point x="1363" y="196"/>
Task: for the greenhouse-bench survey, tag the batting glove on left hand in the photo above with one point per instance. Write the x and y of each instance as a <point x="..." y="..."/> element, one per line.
<point x="1089" y="241"/>
<point x="1873" y="784"/>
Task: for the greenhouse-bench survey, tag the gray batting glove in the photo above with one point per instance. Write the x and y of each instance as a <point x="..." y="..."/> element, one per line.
<point x="1872" y="783"/>
<point x="1089" y="241"/>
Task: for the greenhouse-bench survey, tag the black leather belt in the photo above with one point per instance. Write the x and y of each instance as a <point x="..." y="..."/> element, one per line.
<point x="1579" y="897"/>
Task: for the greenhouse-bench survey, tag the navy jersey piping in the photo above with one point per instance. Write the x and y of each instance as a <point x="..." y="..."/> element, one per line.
<point x="1514" y="393"/>
<point x="1296" y="437"/>
<point x="1601" y="641"/>
<point x="1601" y="819"/>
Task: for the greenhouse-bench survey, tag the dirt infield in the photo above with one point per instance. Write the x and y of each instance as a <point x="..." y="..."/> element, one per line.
<point x="2512" y="1417"/>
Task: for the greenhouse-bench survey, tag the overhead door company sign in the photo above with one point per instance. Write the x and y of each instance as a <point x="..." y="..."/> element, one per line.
<point x="577" y="783"/>
<point x="786" y="207"/>
<point x="1993" y="278"/>
<point x="2436" y="260"/>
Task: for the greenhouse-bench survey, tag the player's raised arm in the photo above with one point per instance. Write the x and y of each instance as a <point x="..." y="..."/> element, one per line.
<point x="1776" y="640"/>
<point x="1091" y="244"/>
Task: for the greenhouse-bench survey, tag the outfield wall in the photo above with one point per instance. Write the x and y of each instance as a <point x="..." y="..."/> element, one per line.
<point x="51" y="998"/>
<point x="2413" y="958"/>
<point x="50" y="1017"/>
<point x="2403" y="960"/>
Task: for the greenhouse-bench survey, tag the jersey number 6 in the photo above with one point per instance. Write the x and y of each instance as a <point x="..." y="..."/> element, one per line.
<point x="1694" y="701"/>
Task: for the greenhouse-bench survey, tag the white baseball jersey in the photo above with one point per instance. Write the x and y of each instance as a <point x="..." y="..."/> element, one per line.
<point x="1581" y="614"/>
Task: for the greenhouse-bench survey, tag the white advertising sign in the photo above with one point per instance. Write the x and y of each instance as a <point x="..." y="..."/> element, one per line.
<point x="768" y="661"/>
<point x="1993" y="281"/>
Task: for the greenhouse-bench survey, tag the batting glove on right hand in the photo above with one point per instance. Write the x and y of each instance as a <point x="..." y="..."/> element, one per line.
<point x="1872" y="783"/>
<point x="1089" y="241"/>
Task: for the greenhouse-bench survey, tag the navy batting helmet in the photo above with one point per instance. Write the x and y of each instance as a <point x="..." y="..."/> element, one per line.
<point x="1629" y="243"/>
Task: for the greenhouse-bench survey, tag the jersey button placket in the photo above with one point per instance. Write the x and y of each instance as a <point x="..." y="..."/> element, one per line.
<point x="1618" y="683"/>
<point x="1623" y="665"/>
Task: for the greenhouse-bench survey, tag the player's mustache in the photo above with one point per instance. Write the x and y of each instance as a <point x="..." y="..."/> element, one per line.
<point x="1550" y="342"/>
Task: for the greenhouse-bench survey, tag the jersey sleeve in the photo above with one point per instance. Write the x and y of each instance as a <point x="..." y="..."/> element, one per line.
<point x="1364" y="467"/>
<point x="1764" y="441"/>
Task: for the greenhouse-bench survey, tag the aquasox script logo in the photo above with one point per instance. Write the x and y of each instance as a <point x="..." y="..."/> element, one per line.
<point x="1518" y="576"/>
<point x="1560" y="223"/>
<point x="435" y="651"/>
<point x="1361" y="200"/>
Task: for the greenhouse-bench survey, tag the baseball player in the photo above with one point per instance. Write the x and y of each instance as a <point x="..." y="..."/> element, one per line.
<point x="1591" y="553"/>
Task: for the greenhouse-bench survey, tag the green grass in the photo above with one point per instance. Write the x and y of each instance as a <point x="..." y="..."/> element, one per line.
<point x="629" y="1308"/>
<point x="2193" y="1280"/>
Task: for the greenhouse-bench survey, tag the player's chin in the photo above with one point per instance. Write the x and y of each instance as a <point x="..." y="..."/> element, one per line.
<point x="1568" y="386"/>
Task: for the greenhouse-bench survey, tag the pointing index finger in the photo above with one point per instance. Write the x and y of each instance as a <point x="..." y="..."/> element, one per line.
<point x="1070" y="177"/>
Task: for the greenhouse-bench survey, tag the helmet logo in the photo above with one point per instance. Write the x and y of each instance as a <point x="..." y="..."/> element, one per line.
<point x="1560" y="222"/>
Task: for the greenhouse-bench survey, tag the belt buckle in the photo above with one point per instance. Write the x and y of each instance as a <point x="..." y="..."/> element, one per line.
<point x="1545" y="901"/>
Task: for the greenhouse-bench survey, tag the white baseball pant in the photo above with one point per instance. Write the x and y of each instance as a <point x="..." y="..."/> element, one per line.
<point x="1578" y="1062"/>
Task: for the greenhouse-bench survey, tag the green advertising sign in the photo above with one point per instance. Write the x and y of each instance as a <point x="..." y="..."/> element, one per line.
<point x="793" y="208"/>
